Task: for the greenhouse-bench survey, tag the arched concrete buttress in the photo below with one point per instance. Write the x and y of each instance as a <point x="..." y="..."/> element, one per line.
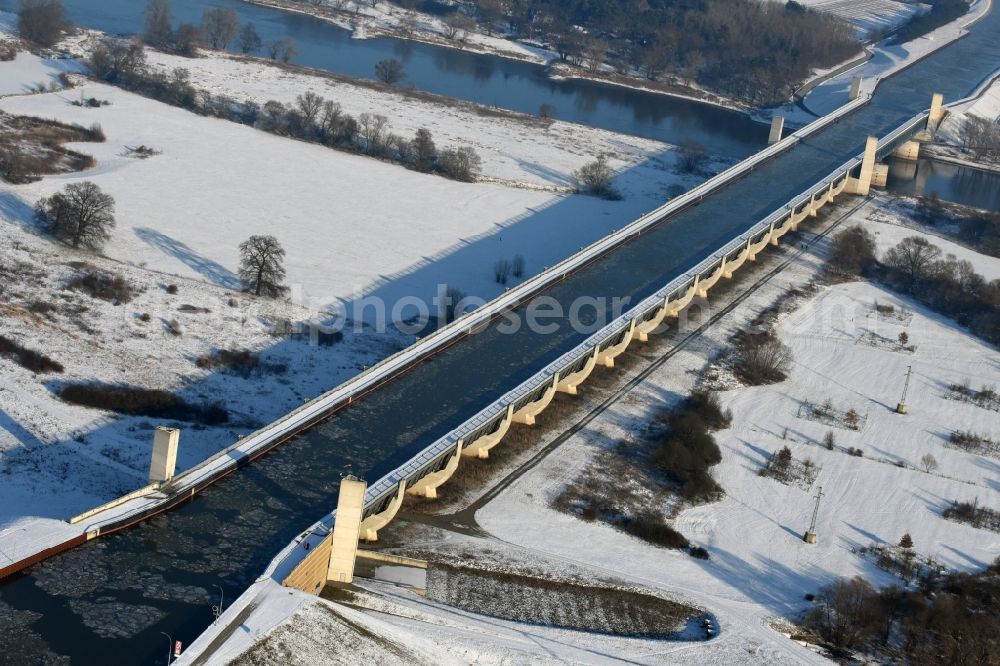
<point x="607" y="356"/>
<point x="480" y="447"/>
<point x="527" y="413"/>
<point x="373" y="523"/>
<point x="570" y="382"/>
<point x="428" y="485"/>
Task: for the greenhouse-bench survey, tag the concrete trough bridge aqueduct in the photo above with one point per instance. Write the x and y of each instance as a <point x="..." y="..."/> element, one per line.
<point x="362" y="511"/>
<point x="406" y="424"/>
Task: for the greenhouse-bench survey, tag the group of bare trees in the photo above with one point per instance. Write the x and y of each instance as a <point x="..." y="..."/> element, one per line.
<point x="951" y="620"/>
<point x="981" y="137"/>
<point x="310" y="118"/>
<point x="917" y="267"/>
<point x="753" y="50"/>
<point x="219" y="29"/>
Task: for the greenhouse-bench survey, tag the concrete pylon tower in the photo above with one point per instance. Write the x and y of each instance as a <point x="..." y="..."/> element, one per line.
<point x="936" y="113"/>
<point x="863" y="183"/>
<point x="777" y="127"/>
<point x="346" y="530"/>
<point x="856" y="87"/>
<point x="164" y="459"/>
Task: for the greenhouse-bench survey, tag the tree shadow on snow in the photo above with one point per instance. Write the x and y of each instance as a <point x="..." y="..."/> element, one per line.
<point x="210" y="270"/>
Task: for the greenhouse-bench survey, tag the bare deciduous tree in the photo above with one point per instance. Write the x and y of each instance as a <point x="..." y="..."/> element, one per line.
<point x="460" y="163"/>
<point x="309" y="105"/>
<point x="595" y="178"/>
<point x="852" y="251"/>
<point x="185" y="39"/>
<point x="43" y="22"/>
<point x="158" y="21"/>
<point x="372" y="128"/>
<point x="762" y="359"/>
<point x="282" y="49"/>
<point x="81" y="215"/>
<point x="220" y="26"/>
<point x="390" y="71"/>
<point x="595" y="50"/>
<point x="248" y="40"/>
<point x="458" y="25"/>
<point x="261" y="269"/>
<point x="913" y="257"/>
<point x="928" y="462"/>
<point x="115" y="61"/>
<point x="844" y="612"/>
<point x="424" y="151"/>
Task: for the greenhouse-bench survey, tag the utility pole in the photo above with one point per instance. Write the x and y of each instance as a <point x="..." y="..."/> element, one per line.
<point x="901" y="405"/>
<point x="810" y="535"/>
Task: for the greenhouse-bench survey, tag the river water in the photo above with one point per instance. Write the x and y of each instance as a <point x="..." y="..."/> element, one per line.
<point x="108" y="601"/>
<point x="490" y="80"/>
<point x="950" y="182"/>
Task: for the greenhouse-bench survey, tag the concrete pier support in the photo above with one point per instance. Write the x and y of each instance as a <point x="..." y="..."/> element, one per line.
<point x="607" y="356"/>
<point x="164" y="459"/>
<point x="777" y="127"/>
<point x="863" y="183"/>
<point x="908" y="151"/>
<point x="880" y="175"/>
<point x="480" y="447"/>
<point x="373" y="523"/>
<point x="855" y="87"/>
<point x="346" y="530"/>
<point x="526" y="415"/>
<point x="570" y="382"/>
<point x="427" y="486"/>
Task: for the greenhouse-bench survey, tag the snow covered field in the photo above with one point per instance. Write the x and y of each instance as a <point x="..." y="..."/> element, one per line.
<point x="350" y="225"/>
<point x="238" y="181"/>
<point x="868" y="15"/>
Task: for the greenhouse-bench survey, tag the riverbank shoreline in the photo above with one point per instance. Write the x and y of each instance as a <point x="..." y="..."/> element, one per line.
<point x="555" y="70"/>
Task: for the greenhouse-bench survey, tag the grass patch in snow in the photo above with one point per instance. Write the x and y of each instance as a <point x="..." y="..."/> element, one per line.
<point x="104" y="286"/>
<point x="975" y="443"/>
<point x="32" y="147"/>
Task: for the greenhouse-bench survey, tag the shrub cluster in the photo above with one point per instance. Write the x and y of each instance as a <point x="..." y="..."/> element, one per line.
<point x="761" y="358"/>
<point x="139" y="401"/>
<point x="970" y="512"/>
<point x="28" y="359"/>
<point x="687" y="449"/>
<point x="105" y="286"/>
